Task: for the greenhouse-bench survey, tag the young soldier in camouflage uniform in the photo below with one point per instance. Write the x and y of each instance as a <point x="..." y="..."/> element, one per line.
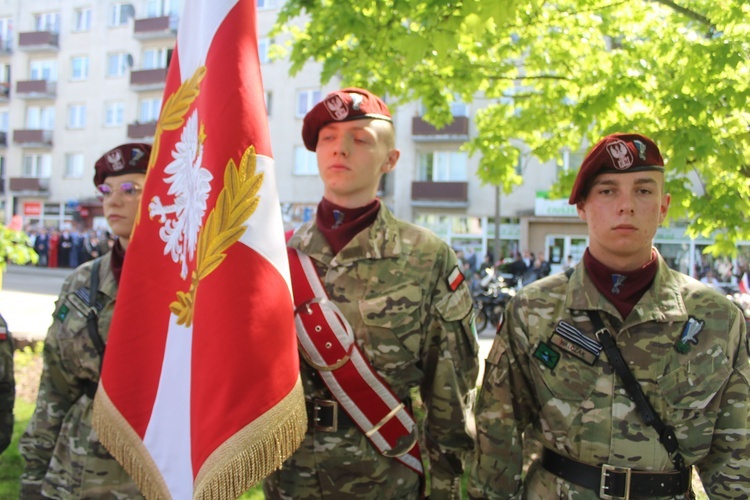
<point x="390" y="280"/>
<point x="64" y="458"/>
<point x="550" y="366"/>
<point x="7" y="386"/>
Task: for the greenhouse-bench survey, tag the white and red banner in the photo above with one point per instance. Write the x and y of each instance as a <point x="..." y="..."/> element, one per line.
<point x="200" y="395"/>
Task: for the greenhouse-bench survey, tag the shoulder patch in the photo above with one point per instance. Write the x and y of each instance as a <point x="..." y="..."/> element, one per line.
<point x="3" y="333"/>
<point x="455" y="278"/>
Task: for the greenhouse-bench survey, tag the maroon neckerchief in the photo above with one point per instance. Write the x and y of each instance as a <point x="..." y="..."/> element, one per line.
<point x="339" y="225"/>
<point x="622" y="289"/>
<point x="117" y="259"/>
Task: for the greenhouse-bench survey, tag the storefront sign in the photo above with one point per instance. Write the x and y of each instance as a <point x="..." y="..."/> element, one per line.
<point x="554" y="208"/>
<point x="32" y="209"/>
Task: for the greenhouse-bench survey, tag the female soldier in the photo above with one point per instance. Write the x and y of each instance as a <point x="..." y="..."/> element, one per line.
<point x="64" y="458"/>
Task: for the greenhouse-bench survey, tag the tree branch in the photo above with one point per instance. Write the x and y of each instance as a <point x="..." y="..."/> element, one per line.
<point x="689" y="13"/>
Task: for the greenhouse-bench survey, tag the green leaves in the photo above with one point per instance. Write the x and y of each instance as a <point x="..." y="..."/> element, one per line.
<point x="564" y="73"/>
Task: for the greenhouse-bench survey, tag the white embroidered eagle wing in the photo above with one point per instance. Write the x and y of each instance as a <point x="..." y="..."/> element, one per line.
<point x="190" y="184"/>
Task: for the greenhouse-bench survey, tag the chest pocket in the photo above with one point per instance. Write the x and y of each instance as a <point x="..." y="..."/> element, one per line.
<point x="392" y="327"/>
<point x="690" y="396"/>
<point x="571" y="379"/>
<point x="78" y="352"/>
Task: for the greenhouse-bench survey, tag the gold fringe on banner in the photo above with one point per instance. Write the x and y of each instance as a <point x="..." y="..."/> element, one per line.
<point x="255" y="451"/>
<point x="122" y="442"/>
<point x="232" y="469"/>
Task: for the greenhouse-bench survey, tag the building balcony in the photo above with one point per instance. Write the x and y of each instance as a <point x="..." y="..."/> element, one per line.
<point x="32" y="138"/>
<point x="29" y="185"/>
<point x="38" y="41"/>
<point x="457" y="130"/>
<point x="36" y="89"/>
<point x="148" y="79"/>
<point x="154" y="28"/>
<point x="427" y="193"/>
<point x="141" y="130"/>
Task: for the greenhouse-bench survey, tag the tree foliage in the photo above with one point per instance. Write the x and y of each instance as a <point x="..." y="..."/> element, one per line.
<point x="561" y="74"/>
<point x="15" y="247"/>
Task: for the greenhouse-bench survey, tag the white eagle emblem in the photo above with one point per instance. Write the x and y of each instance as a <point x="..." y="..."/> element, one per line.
<point x="115" y="160"/>
<point x="190" y="186"/>
<point x="336" y="107"/>
<point x="621" y="155"/>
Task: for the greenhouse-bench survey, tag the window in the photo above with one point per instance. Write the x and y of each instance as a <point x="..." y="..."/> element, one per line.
<point x="306" y="99"/>
<point x="79" y="68"/>
<point x="74" y="165"/>
<point x="442" y="166"/>
<point x="44" y="70"/>
<point x="77" y="116"/>
<point x="47" y="21"/>
<point x="305" y="162"/>
<point x="82" y="20"/>
<point x="155" y="58"/>
<point x="114" y="114"/>
<point x="6" y="34"/>
<point x="160" y="8"/>
<point x="38" y="118"/>
<point x="149" y="111"/>
<point x="37" y="165"/>
<point x="263" y="45"/>
<point x="3" y="121"/>
<point x="117" y="64"/>
<point x="119" y="14"/>
<point x="458" y="107"/>
<point x="266" y="4"/>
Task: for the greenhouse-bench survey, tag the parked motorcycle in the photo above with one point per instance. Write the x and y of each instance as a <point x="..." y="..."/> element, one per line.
<point x="491" y="300"/>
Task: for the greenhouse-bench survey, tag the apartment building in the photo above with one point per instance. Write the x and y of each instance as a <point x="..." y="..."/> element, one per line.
<point x="80" y="76"/>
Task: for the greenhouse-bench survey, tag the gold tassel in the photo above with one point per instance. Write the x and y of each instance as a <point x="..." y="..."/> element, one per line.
<point x="254" y="452"/>
<point x="236" y="466"/>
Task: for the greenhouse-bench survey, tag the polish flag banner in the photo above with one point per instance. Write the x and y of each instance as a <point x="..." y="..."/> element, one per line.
<point x="200" y="395"/>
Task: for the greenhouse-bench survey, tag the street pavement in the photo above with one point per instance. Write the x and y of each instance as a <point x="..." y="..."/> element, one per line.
<point x="28" y="295"/>
<point x="27" y="300"/>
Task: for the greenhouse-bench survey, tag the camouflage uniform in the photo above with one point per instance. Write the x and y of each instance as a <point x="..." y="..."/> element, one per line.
<point x="583" y="412"/>
<point x="7" y="386"/>
<point x="390" y="282"/>
<point x="64" y="458"/>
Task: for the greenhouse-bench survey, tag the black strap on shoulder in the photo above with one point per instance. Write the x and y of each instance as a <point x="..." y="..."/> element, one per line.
<point x="92" y="325"/>
<point x="92" y="318"/>
<point x="666" y="433"/>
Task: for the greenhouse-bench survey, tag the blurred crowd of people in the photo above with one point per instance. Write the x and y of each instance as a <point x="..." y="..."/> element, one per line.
<point x="68" y="247"/>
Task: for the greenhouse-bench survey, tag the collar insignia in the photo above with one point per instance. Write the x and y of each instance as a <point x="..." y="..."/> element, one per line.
<point x="338" y="215"/>
<point x="689" y="335"/>
<point x="617" y="280"/>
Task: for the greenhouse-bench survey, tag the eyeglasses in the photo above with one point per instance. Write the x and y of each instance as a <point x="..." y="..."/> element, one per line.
<point x="128" y="191"/>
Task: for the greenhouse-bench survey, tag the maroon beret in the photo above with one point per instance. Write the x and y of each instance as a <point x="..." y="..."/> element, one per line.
<point x="129" y="158"/>
<point x="616" y="153"/>
<point x="340" y="106"/>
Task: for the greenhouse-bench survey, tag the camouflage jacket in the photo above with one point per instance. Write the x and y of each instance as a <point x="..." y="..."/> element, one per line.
<point x="390" y="282"/>
<point x="64" y="458"/>
<point x="696" y="382"/>
<point x="7" y="386"/>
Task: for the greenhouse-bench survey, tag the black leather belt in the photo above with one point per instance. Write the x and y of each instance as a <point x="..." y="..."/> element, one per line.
<point x="617" y="482"/>
<point x="325" y="415"/>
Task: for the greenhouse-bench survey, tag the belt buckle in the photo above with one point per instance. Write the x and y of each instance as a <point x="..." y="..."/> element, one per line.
<point x="326" y="403"/>
<point x="606" y="469"/>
